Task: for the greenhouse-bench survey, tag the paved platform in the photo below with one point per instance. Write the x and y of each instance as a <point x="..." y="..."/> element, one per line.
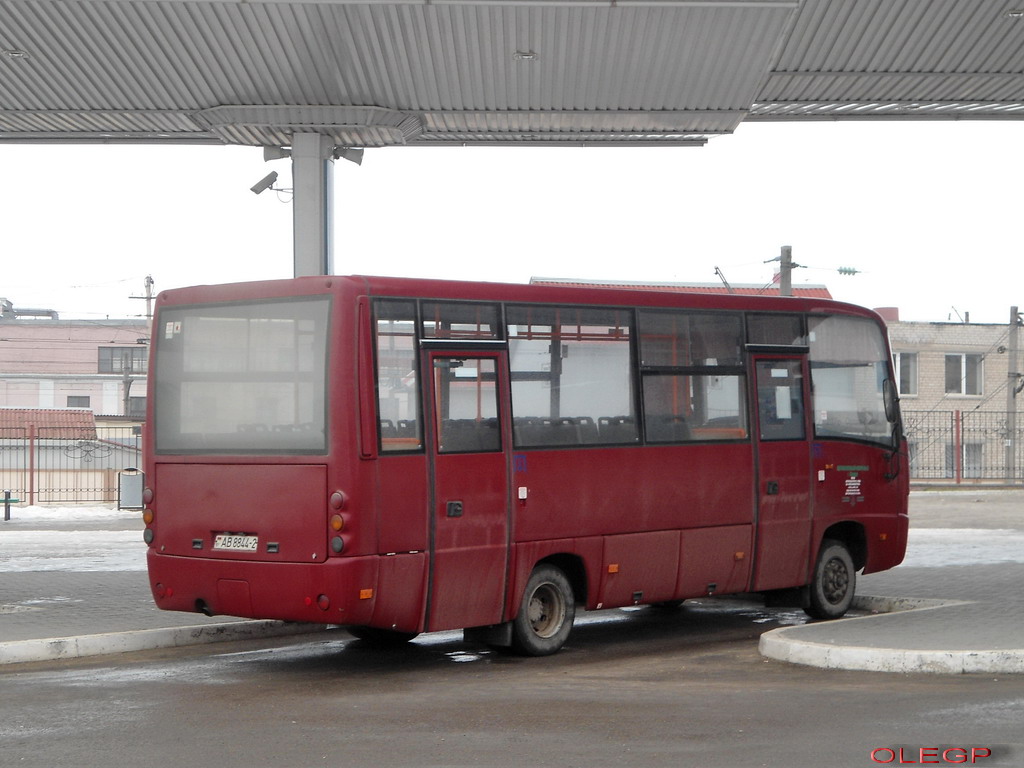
<point x="926" y="616"/>
<point x="955" y="606"/>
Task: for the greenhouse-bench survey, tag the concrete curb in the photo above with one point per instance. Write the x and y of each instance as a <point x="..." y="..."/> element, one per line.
<point x="48" y="649"/>
<point x="785" y="645"/>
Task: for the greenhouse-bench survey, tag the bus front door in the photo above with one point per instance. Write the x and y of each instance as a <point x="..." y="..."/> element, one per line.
<point x="469" y="533"/>
<point x="784" y="469"/>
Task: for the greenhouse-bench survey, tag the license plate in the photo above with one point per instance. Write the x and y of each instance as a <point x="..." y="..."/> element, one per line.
<point x="236" y="543"/>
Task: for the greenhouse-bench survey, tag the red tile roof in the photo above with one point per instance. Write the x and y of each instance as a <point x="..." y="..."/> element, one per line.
<point x="742" y="289"/>
<point x="65" y="424"/>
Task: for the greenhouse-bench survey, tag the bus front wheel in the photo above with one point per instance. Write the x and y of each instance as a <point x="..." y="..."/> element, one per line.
<point x="833" y="584"/>
<point x="545" y="617"/>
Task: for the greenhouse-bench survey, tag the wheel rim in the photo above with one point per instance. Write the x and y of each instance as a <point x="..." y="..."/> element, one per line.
<point x="546" y="610"/>
<point x="835" y="581"/>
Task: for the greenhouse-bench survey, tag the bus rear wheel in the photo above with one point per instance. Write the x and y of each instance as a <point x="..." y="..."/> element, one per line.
<point x="833" y="584"/>
<point x="545" y="617"/>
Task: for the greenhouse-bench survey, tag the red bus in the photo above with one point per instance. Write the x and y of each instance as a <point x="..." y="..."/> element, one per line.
<point x="403" y="456"/>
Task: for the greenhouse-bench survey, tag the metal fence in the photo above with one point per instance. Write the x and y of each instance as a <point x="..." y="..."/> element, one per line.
<point x="964" y="446"/>
<point x="43" y="465"/>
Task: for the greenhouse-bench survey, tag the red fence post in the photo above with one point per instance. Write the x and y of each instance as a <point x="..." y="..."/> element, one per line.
<point x="31" y="464"/>
<point x="958" y="446"/>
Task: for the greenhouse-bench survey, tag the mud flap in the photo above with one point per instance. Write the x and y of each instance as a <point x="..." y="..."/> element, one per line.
<point x="499" y="635"/>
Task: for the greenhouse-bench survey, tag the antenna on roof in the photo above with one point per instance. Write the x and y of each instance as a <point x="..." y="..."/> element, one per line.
<point x="721" y="276"/>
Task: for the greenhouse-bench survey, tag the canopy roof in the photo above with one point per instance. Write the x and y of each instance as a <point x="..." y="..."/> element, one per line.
<point x="370" y="73"/>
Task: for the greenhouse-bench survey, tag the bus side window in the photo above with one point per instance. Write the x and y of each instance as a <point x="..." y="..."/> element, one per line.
<point x="400" y="426"/>
<point x="572" y="381"/>
<point x="692" y="371"/>
<point x="466" y="405"/>
<point x="780" y="400"/>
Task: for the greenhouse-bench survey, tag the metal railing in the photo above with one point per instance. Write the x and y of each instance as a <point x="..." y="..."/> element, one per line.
<point x="41" y="465"/>
<point x="964" y="446"/>
<point x="55" y="466"/>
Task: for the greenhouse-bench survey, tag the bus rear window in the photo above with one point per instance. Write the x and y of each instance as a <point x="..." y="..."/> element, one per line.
<point x="242" y="378"/>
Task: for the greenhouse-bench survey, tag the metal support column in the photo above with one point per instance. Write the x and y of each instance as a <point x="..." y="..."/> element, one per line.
<point x="1011" y="394"/>
<point x="312" y="219"/>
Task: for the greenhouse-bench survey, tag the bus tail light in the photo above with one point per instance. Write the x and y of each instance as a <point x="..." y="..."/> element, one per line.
<point x="338" y="502"/>
<point x="147" y="517"/>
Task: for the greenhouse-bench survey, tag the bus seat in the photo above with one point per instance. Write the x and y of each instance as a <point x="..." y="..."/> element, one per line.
<point x="617" y="429"/>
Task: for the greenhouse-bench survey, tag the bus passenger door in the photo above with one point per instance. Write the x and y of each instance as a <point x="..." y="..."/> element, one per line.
<point x="784" y="473"/>
<point x="469" y="441"/>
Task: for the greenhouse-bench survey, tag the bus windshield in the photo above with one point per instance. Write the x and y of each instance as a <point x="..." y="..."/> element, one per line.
<point x="243" y="378"/>
<point x="849" y="367"/>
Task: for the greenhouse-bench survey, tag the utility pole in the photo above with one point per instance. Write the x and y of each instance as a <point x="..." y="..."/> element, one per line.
<point x="1011" y="394"/>
<point x="126" y="385"/>
<point x="786" y="271"/>
<point x="148" y="297"/>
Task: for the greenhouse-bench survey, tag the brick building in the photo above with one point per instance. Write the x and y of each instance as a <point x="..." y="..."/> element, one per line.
<point x="953" y="381"/>
<point x="99" y="365"/>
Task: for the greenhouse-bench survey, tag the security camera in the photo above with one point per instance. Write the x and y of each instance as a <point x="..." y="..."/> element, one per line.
<point x="265" y="183"/>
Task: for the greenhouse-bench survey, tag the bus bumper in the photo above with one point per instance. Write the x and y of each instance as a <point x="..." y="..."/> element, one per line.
<point x="338" y="591"/>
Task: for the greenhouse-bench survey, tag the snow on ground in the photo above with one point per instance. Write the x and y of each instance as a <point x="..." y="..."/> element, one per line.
<point x="59" y="546"/>
<point x="71" y="549"/>
<point x="76" y="551"/>
<point x="936" y="547"/>
<point x="34" y="514"/>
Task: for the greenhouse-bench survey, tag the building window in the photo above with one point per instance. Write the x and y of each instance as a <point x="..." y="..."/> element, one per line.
<point x="123" y="359"/>
<point x="963" y="375"/>
<point x="78" y="401"/>
<point x="972" y="461"/>
<point x="136" y="408"/>
<point x="906" y="372"/>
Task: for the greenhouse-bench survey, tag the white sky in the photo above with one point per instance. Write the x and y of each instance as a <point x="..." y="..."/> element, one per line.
<point x="931" y="213"/>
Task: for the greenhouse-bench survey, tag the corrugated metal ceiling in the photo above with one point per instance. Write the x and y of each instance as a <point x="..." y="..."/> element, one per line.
<point x="373" y="73"/>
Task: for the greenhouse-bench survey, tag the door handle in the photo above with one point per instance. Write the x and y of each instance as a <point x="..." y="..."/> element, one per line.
<point x="772" y="488"/>
<point x="454" y="509"/>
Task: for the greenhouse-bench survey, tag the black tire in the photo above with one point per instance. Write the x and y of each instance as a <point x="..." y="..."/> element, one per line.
<point x="381" y="637"/>
<point x="833" y="583"/>
<point x="668" y="606"/>
<point x="545" y="617"/>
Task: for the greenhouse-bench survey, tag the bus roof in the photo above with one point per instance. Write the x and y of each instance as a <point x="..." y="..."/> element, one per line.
<point x="462" y="290"/>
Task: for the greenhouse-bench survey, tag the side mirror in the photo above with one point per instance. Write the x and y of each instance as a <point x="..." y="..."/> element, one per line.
<point x="889" y="401"/>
